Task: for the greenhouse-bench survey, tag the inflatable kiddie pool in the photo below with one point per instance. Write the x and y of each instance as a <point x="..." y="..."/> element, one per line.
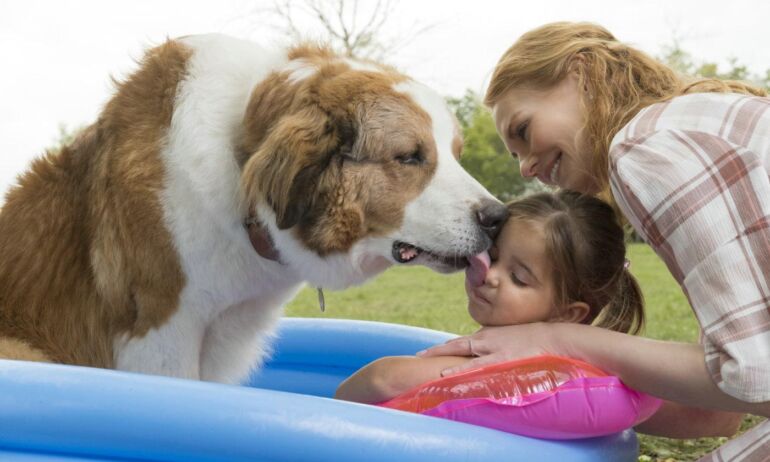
<point x="66" y="413"/>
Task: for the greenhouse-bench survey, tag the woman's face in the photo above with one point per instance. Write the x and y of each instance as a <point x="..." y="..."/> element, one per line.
<point x="544" y="130"/>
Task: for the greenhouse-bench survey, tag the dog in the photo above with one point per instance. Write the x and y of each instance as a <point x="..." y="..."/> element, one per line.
<point x="218" y="179"/>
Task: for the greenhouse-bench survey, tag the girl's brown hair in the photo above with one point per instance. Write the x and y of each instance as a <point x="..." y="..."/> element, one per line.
<point x="618" y="79"/>
<point x="585" y="245"/>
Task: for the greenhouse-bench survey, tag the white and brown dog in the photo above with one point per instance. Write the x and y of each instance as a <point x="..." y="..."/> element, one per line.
<point x="218" y="179"/>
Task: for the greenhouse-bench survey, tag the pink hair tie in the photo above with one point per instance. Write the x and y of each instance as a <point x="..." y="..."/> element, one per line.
<point x="626" y="263"/>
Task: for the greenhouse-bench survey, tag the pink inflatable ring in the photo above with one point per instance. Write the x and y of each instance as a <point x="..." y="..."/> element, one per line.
<point x="543" y="397"/>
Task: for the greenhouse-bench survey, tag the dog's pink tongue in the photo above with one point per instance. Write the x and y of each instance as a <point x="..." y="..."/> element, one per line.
<point x="476" y="272"/>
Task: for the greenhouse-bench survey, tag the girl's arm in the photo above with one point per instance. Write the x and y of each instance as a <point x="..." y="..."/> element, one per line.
<point x="390" y="376"/>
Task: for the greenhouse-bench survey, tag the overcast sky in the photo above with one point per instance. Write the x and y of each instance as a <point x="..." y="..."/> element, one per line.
<point x="57" y="56"/>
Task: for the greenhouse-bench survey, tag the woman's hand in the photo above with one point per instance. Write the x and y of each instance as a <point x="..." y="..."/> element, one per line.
<point x="672" y="371"/>
<point x="491" y="345"/>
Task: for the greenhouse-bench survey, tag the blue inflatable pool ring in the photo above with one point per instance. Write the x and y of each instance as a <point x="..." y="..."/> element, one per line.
<point x="283" y="413"/>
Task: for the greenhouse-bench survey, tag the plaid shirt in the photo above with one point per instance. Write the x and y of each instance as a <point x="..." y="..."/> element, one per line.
<point x="691" y="176"/>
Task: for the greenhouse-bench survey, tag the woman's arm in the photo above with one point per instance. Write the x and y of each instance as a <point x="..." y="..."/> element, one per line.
<point x="390" y="376"/>
<point x="674" y="420"/>
<point x="670" y="183"/>
<point x="669" y="370"/>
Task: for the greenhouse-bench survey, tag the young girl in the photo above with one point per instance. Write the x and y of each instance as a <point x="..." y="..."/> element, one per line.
<point x="559" y="258"/>
<point x="687" y="162"/>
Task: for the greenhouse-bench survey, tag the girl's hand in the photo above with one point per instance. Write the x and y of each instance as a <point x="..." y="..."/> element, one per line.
<point x="491" y="345"/>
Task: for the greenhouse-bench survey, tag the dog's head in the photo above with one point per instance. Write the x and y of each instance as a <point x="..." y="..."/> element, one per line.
<point x="353" y="167"/>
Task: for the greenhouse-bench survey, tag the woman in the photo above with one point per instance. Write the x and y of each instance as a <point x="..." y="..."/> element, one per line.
<point x="687" y="165"/>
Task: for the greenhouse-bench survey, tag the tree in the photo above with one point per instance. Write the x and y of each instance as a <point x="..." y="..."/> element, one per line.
<point x="66" y="136"/>
<point x="681" y="61"/>
<point x="484" y="154"/>
<point x="465" y="108"/>
<point x="352" y="31"/>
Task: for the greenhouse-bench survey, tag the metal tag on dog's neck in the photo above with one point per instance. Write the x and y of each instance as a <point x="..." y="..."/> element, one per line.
<point x="321" y="301"/>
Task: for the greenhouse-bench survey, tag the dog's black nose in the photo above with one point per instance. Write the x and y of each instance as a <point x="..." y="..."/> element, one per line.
<point x="491" y="216"/>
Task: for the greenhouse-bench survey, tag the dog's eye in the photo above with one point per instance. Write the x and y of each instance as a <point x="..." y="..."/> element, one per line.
<point x="413" y="158"/>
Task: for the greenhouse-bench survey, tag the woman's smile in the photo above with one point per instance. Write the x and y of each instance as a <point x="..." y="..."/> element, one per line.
<point x="551" y="147"/>
<point x="555" y="170"/>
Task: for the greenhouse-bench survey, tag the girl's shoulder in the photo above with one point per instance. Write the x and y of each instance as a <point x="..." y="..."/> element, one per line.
<point x="702" y="112"/>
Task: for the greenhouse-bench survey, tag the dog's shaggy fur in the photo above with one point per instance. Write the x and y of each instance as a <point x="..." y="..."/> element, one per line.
<point x="128" y="249"/>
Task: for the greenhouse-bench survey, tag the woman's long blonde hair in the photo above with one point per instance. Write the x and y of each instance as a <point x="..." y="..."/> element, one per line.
<point x="620" y="80"/>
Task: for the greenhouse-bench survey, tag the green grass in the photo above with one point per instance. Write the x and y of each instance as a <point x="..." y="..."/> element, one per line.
<point x="669" y="316"/>
<point x="419" y="297"/>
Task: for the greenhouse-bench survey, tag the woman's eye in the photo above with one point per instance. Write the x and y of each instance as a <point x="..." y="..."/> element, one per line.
<point x="521" y="130"/>
<point x="413" y="158"/>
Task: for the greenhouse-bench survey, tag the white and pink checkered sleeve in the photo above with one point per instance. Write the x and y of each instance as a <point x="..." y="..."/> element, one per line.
<point x="703" y="204"/>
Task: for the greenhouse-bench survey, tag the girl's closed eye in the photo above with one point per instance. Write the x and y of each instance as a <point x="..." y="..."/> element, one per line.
<point x="493" y="253"/>
<point x="517" y="280"/>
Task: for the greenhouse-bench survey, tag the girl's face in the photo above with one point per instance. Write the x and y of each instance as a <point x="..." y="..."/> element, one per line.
<point x="518" y="287"/>
<point x="544" y="130"/>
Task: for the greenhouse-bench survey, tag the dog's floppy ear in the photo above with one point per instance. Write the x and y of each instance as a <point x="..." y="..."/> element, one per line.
<point x="286" y="168"/>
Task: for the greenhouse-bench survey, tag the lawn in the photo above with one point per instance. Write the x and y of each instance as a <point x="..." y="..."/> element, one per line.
<point x="419" y="297"/>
